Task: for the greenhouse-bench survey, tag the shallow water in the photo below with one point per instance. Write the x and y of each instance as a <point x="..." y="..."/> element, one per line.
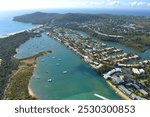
<point x="80" y="81"/>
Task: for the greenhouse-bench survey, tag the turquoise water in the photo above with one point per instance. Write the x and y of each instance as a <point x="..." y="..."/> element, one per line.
<point x="80" y="82"/>
<point x="7" y="25"/>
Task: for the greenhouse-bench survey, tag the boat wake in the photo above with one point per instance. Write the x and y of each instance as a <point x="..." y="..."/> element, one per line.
<point x="101" y="97"/>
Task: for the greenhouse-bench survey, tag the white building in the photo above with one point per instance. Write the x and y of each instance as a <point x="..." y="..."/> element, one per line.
<point x="138" y="71"/>
<point x="108" y="75"/>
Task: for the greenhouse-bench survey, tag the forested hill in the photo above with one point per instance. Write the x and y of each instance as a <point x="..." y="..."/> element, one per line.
<point x="36" y="18"/>
<point x="8" y="47"/>
<point x="131" y="29"/>
<point x="40" y="17"/>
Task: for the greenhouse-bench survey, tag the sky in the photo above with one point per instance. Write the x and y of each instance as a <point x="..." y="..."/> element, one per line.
<point x="40" y="4"/>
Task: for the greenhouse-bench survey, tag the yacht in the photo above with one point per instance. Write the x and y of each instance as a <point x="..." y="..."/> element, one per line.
<point x="49" y="80"/>
<point x="59" y="59"/>
<point x="64" y="72"/>
<point x="57" y="64"/>
<point x="37" y="77"/>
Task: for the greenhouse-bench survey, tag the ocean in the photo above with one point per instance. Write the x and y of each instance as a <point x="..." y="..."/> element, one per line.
<point x="81" y="81"/>
<point x="7" y="25"/>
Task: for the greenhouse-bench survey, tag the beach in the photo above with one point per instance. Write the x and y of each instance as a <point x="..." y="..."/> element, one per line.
<point x="31" y="93"/>
<point x="118" y="91"/>
<point x="19" y="85"/>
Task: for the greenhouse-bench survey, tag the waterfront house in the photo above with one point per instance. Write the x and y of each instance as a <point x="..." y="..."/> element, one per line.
<point x="136" y="86"/>
<point x="143" y="92"/>
<point x="124" y="89"/>
<point x="138" y="71"/>
<point x="135" y="97"/>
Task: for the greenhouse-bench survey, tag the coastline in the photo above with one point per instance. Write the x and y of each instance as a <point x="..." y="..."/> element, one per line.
<point x="32" y="60"/>
<point x="10" y="34"/>
<point x="118" y="91"/>
<point x="31" y="93"/>
<point x="17" y="32"/>
<point x="21" y="78"/>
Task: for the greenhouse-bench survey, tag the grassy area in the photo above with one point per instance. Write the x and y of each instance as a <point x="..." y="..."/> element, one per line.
<point x="145" y="40"/>
<point x="135" y="46"/>
<point x="8" y="47"/>
<point x="104" y="69"/>
<point x="140" y="43"/>
<point x="18" y="86"/>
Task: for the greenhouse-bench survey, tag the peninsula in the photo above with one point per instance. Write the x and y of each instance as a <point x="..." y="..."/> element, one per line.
<point x="18" y="87"/>
<point x="8" y="64"/>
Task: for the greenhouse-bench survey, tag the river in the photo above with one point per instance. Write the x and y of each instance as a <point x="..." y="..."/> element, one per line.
<point x="80" y="81"/>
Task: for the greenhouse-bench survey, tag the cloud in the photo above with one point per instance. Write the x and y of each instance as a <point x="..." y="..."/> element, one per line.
<point x="140" y="4"/>
<point x="113" y="2"/>
<point x="102" y="3"/>
<point x="36" y="4"/>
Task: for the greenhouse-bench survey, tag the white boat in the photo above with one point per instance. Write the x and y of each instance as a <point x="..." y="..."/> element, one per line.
<point x="64" y="72"/>
<point x="59" y="59"/>
<point x="37" y="77"/>
<point x="49" y="80"/>
<point x="57" y="64"/>
<point x="43" y="60"/>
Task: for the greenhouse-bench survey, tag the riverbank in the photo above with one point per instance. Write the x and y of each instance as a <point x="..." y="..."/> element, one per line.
<point x="118" y="91"/>
<point x="31" y="93"/>
<point x="18" y="87"/>
<point x="8" y="47"/>
<point x="136" y="46"/>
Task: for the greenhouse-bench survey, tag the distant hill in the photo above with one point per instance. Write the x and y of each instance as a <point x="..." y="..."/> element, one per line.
<point x="40" y="17"/>
<point x="129" y="29"/>
<point x="36" y="18"/>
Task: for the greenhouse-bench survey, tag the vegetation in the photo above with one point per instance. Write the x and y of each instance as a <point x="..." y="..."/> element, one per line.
<point x="104" y="69"/>
<point x="43" y="18"/>
<point x="18" y="86"/>
<point x="148" y="75"/>
<point x="142" y="42"/>
<point x="36" y="18"/>
<point x="8" y="47"/>
<point x="131" y="28"/>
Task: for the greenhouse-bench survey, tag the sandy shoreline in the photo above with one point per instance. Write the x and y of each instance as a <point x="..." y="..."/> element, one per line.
<point x="118" y="91"/>
<point x="27" y="65"/>
<point x="32" y="60"/>
<point x="31" y="93"/>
